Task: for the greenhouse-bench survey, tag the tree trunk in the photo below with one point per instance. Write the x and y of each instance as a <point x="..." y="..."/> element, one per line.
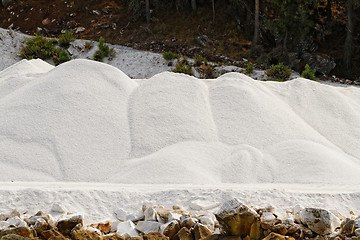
<point x="147" y="11"/>
<point x="328" y="10"/>
<point x="193" y="6"/>
<point x="256" y="26"/>
<point x="348" y="47"/>
<point x="213" y="8"/>
<point x="285" y="40"/>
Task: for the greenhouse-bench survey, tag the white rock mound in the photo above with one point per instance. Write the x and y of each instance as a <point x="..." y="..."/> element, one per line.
<point x="71" y="123"/>
<point x="88" y="121"/>
<point x="169" y="108"/>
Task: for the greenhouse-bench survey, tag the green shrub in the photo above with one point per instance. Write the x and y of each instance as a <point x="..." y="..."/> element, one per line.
<point x="249" y="68"/>
<point x="104" y="51"/>
<point x="207" y="71"/>
<point x="199" y="60"/>
<point x="308" y="73"/>
<point x="278" y="72"/>
<point x="66" y="38"/>
<point x="182" y="67"/>
<point x="60" y="56"/>
<point x="37" y="47"/>
<point x="89" y="45"/>
<point x="169" y="55"/>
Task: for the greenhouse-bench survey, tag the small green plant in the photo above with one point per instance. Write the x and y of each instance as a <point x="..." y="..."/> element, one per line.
<point x="104" y="51"/>
<point x="249" y="68"/>
<point x="89" y="45"/>
<point x="60" y="56"/>
<point x="182" y="67"/>
<point x="169" y="55"/>
<point x="207" y="71"/>
<point x="309" y="73"/>
<point x="278" y="72"/>
<point x="65" y="38"/>
<point x="199" y="60"/>
<point x="37" y="47"/>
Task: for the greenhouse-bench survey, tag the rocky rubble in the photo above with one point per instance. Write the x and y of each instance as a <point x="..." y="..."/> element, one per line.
<point x="233" y="220"/>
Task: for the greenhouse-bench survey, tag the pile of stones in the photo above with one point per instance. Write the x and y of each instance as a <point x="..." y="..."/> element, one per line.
<point x="233" y="220"/>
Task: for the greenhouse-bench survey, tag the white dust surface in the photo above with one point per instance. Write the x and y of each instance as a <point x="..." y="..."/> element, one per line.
<point x="88" y="122"/>
<point x="98" y="201"/>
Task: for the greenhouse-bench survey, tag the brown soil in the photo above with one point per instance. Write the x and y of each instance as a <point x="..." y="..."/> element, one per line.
<point x="177" y="32"/>
<point x="220" y="41"/>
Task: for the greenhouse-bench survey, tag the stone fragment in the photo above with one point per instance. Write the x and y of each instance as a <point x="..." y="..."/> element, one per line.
<point x="183" y="234"/>
<point x="201" y="231"/>
<point x="188" y="222"/>
<point x="357" y="232"/>
<point x="163" y="212"/>
<point x="155" y="236"/>
<point x="79" y="29"/>
<point x="203" y="205"/>
<point x="280" y="229"/>
<point x="13" y="213"/>
<point x="32" y="220"/>
<point x="222" y="237"/>
<point x="104" y="227"/>
<point x="15" y="237"/>
<point x="150" y="214"/>
<point x="293" y="229"/>
<point x="267" y="220"/>
<point x="137" y="216"/>
<point x="113" y="236"/>
<point x="127" y="229"/>
<point x="174" y="216"/>
<point x="269" y="208"/>
<point x="308" y="233"/>
<point x="121" y="214"/>
<point x="41" y="225"/>
<point x="170" y="229"/>
<point x="4" y="225"/>
<point x="134" y="238"/>
<point x="276" y="236"/>
<point x="52" y="233"/>
<point x="57" y="208"/>
<point x="207" y="221"/>
<point x="237" y="219"/>
<point x="84" y="234"/>
<point x="21" y="231"/>
<point x="58" y="237"/>
<point x="68" y="222"/>
<point x="148" y="226"/>
<point x="357" y="223"/>
<point x="319" y="220"/>
<point x="347" y="227"/>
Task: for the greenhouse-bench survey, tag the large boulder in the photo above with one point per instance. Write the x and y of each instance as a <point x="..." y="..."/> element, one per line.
<point x="239" y="220"/>
<point x="323" y="64"/>
<point x="319" y="220"/>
